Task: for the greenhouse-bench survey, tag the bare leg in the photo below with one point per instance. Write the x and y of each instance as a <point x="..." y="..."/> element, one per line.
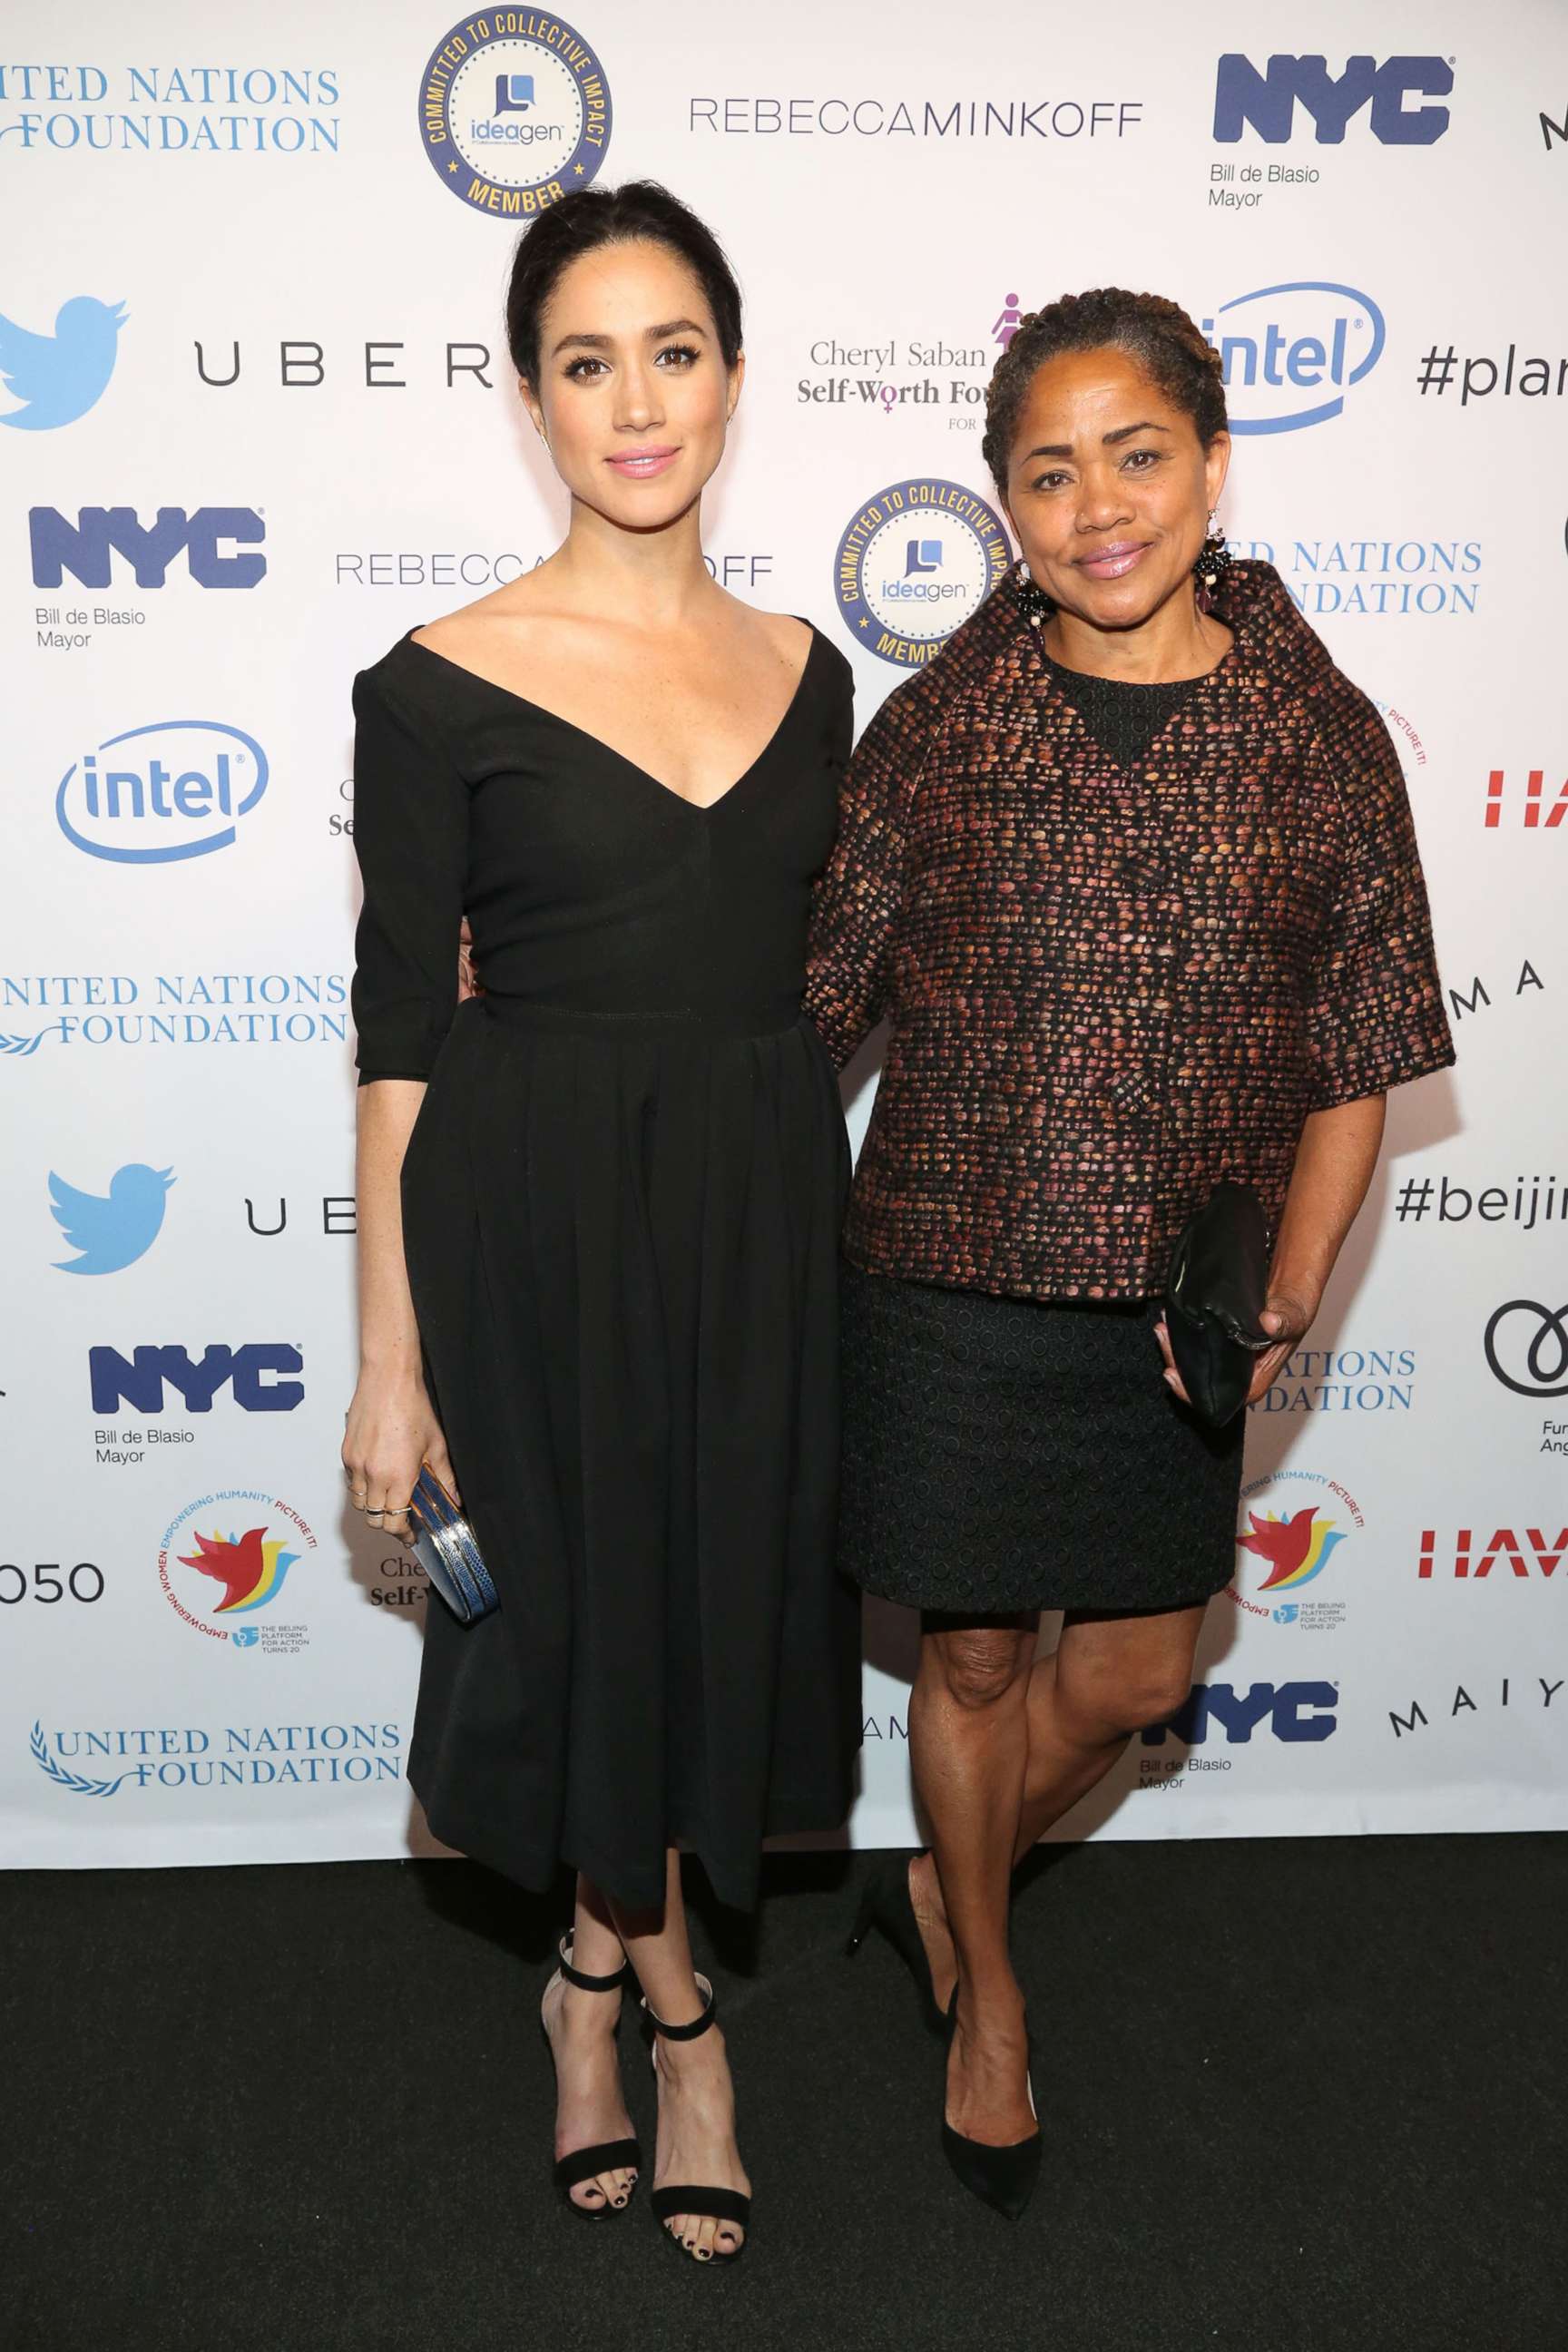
<point x="589" y="2104"/>
<point x="969" y="1742"/>
<point x="696" y="2098"/>
<point x="1107" y="1677"/>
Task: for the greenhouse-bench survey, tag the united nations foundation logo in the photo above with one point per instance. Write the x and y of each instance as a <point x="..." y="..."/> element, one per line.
<point x="917" y="559"/>
<point x="225" y="1559"/>
<point x="1294" y="1520"/>
<point x="514" y="112"/>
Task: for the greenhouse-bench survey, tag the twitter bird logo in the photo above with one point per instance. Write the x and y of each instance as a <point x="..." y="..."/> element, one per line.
<point x="115" y="1231"/>
<point x="59" y="376"/>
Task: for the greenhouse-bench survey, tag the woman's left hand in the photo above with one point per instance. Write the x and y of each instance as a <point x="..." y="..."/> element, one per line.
<point x="1287" y="1318"/>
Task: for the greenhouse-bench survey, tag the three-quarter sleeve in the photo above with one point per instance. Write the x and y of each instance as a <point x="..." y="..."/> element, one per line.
<point x="411" y="836"/>
<point x="856" y="906"/>
<point x="1376" y="1017"/>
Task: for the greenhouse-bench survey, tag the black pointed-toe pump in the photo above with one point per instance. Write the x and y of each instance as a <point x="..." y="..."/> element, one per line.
<point x="885" y="1902"/>
<point x="1001" y="2178"/>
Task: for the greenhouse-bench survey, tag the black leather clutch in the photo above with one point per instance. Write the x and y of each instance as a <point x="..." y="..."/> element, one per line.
<point x="1214" y="1294"/>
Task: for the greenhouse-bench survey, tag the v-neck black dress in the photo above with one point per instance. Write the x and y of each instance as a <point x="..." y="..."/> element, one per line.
<point x="621" y="1203"/>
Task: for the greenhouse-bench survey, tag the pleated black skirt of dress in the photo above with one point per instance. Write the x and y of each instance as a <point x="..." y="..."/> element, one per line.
<point x="623" y="1253"/>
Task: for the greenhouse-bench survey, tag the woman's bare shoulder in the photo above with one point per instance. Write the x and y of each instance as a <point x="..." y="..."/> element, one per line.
<point x="508" y="616"/>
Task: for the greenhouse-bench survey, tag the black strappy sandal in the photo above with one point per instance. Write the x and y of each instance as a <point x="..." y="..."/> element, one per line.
<point x="712" y="2204"/>
<point x="611" y="2155"/>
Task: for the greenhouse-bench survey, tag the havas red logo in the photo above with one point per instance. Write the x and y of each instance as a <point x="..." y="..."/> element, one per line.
<point x="1529" y="1552"/>
<point x="1524" y="797"/>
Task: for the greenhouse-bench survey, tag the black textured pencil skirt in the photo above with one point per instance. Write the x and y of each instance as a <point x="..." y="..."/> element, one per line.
<point x="1004" y="1453"/>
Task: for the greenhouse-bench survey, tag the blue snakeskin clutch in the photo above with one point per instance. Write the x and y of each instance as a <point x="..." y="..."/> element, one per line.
<point x="446" y="1550"/>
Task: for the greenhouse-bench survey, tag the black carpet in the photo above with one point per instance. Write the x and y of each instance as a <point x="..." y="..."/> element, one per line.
<point x="1297" y="2094"/>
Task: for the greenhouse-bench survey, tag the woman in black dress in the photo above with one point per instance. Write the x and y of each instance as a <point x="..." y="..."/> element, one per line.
<point x="1131" y="870"/>
<point x="599" y="1206"/>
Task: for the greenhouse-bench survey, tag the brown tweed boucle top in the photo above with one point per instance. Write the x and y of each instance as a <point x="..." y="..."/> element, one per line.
<point x="1111" y="987"/>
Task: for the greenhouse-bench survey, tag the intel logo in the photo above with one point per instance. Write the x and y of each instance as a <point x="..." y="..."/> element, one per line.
<point x="1291" y="352"/>
<point x="175" y="789"/>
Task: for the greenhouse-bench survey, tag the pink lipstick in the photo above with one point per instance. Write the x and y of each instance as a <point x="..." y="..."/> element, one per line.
<point x="1113" y="562"/>
<point x="641" y="465"/>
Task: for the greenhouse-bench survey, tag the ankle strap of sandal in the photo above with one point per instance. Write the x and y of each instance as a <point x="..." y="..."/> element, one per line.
<point x="698" y="2025"/>
<point x="592" y="1984"/>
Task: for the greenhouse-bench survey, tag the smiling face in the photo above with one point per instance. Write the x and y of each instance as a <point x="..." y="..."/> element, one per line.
<point x="632" y="393"/>
<point x="1109" y="487"/>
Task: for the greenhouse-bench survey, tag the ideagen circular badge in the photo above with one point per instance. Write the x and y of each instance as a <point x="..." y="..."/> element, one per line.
<point x="917" y="559"/>
<point x="514" y="110"/>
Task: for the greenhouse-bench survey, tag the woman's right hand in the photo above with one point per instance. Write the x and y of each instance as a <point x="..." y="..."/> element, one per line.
<point x="392" y="1431"/>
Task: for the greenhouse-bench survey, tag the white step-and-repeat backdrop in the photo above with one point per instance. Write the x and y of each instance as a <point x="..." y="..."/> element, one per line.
<point x="256" y="422"/>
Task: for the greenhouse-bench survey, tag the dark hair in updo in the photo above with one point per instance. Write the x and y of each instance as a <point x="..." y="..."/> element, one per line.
<point x="1158" y="335"/>
<point x="641" y="212"/>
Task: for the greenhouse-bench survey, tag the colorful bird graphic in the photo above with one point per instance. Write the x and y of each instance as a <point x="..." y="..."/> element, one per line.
<point x="250" y="1570"/>
<point x="113" y="1231"/>
<point x="58" y="377"/>
<point x="1295" y="1548"/>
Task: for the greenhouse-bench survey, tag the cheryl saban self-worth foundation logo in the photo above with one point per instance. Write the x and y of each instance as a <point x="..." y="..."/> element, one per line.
<point x="217" y="1572"/>
<point x="1287" y="1542"/>
<point x="917" y="559"/>
<point x="514" y="110"/>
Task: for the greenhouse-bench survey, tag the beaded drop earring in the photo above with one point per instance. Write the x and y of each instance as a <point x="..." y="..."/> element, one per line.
<point x="1214" y="560"/>
<point x="1036" y="605"/>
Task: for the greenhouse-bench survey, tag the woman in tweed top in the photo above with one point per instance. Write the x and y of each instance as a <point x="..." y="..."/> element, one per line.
<point x="1130" y="870"/>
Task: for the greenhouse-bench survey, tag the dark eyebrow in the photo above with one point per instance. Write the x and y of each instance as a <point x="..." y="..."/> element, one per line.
<point x="651" y="334"/>
<point x="1108" y="440"/>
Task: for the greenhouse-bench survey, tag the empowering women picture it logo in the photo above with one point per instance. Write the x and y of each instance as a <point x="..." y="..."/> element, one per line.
<point x="216" y="1577"/>
<point x="1290" y="1537"/>
<point x="917" y="559"/>
<point x="514" y="110"/>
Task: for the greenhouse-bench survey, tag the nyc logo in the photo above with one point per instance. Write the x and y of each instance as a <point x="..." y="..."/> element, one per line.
<point x="111" y="1231"/>
<point x="142" y="1382"/>
<point x="1266" y="102"/>
<point x="58" y="377"/>
<point x="206" y="537"/>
